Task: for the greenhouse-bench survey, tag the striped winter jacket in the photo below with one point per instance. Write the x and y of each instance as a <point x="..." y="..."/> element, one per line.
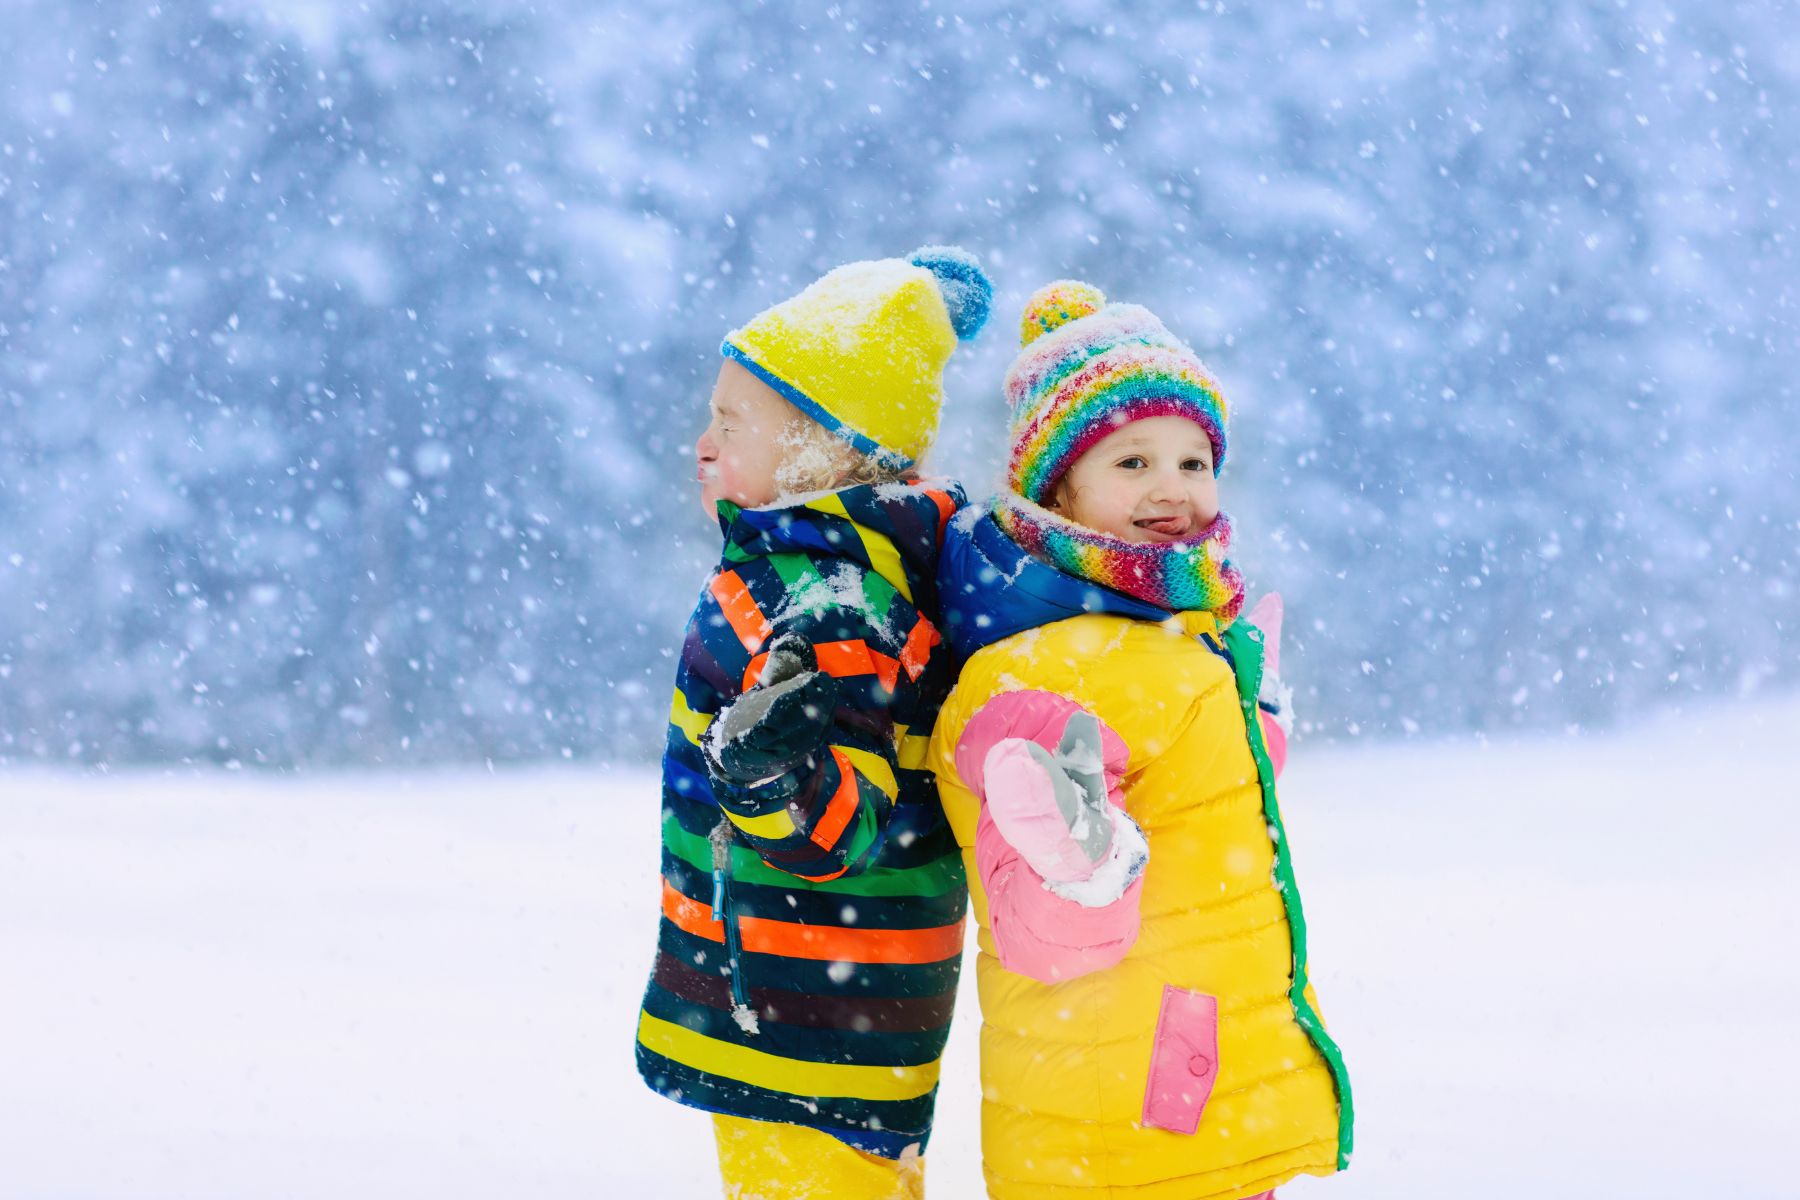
<point x="807" y="958"/>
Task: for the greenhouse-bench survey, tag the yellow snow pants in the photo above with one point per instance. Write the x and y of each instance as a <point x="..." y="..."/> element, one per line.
<point x="767" y="1160"/>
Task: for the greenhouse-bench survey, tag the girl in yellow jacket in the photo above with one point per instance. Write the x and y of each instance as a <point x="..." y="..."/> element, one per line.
<point x="1108" y="763"/>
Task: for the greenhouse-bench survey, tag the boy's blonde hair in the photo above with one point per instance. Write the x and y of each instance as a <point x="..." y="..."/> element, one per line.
<point x="818" y="460"/>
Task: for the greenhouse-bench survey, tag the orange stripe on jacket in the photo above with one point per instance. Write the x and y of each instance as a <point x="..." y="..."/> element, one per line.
<point x="917" y="650"/>
<point x="739" y="607"/>
<point x="842" y="659"/>
<point x="837" y="814"/>
<point x="821" y="943"/>
<point x="843" y="870"/>
<point x="855" y="658"/>
<point x="946" y="509"/>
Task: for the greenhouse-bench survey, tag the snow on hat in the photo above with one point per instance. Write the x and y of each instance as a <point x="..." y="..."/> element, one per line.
<point x="862" y="350"/>
<point x="1089" y="367"/>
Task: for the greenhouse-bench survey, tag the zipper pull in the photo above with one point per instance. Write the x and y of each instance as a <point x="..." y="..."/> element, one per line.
<point x="741" y="1012"/>
<point x="721" y="862"/>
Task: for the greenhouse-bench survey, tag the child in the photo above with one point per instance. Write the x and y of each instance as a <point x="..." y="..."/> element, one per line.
<point x="812" y="896"/>
<point x="1148" y="1026"/>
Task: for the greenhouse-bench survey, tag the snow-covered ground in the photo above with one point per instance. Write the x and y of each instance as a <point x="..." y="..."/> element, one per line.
<point x="1559" y="968"/>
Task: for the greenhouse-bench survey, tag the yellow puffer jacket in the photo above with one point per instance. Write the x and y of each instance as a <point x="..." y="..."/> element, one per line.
<point x="1066" y="1067"/>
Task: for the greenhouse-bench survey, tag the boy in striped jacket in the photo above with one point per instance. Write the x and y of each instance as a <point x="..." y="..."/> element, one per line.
<point x="812" y="894"/>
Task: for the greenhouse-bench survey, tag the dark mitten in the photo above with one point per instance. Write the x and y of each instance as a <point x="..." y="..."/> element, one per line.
<point x="778" y="724"/>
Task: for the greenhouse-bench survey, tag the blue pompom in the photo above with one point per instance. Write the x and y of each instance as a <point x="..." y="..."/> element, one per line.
<point x="967" y="292"/>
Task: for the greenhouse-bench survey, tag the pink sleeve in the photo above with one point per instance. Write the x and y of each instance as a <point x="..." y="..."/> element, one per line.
<point x="1274" y="741"/>
<point x="1036" y="932"/>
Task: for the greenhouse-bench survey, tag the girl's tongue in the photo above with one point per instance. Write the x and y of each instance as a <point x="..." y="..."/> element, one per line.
<point x="1172" y="527"/>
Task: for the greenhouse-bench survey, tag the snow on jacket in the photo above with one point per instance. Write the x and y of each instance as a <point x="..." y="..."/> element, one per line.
<point x="1167" y="1045"/>
<point x="809" y="948"/>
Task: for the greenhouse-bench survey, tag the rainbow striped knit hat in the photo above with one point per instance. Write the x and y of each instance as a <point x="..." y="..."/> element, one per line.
<point x="1089" y="367"/>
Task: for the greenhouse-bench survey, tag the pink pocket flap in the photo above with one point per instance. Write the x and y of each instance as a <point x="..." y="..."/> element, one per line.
<point x="1184" y="1063"/>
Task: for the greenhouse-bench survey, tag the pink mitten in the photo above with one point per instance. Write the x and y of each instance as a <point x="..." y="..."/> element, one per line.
<point x="1045" y="928"/>
<point x="1052" y="808"/>
<point x="1266" y="614"/>
<point x="1274" y="741"/>
<point x="1275" y="700"/>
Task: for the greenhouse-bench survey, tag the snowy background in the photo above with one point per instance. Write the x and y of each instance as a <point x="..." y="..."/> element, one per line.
<point x="1556" y="966"/>
<point x="354" y="349"/>
<point x="352" y="356"/>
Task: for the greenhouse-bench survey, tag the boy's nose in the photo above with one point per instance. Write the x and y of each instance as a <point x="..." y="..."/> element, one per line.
<point x="704" y="449"/>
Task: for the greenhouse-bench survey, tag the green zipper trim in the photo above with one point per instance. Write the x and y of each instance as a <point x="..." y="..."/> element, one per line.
<point x="933" y="879"/>
<point x="1244" y="641"/>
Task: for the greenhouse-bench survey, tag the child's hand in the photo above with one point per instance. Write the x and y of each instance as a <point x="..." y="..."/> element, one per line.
<point x="779" y="723"/>
<point x="1053" y="808"/>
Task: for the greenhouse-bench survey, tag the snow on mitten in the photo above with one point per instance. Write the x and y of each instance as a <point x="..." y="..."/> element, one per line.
<point x="778" y="724"/>
<point x="1055" y="811"/>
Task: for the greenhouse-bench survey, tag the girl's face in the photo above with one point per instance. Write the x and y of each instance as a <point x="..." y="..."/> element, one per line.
<point x="1149" y="481"/>
<point x="739" y="452"/>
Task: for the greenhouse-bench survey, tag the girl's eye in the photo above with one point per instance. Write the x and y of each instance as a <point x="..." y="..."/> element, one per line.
<point x="1196" y="464"/>
<point x="1132" y="463"/>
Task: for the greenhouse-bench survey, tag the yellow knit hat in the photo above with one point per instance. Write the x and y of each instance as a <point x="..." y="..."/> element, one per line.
<point x="862" y="351"/>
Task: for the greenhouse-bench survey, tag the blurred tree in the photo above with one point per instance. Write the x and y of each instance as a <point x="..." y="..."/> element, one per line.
<point x="354" y="351"/>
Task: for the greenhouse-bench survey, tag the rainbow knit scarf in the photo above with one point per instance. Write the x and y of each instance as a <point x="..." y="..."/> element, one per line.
<point x="1179" y="576"/>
